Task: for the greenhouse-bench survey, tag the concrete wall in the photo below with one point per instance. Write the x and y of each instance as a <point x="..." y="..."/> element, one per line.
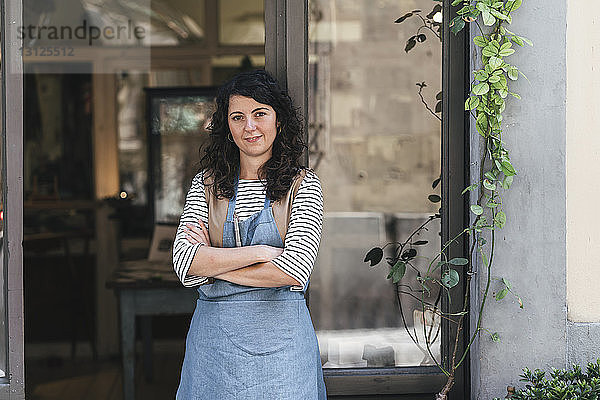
<point x="531" y="249"/>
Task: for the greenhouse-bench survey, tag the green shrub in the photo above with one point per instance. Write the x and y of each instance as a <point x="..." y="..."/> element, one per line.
<point x="564" y="384"/>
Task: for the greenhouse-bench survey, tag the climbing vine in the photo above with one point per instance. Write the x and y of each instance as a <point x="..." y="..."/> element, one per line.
<point x="489" y="91"/>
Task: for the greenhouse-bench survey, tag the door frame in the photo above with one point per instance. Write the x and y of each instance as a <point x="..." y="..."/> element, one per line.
<point x="13" y="385"/>
<point x="286" y="57"/>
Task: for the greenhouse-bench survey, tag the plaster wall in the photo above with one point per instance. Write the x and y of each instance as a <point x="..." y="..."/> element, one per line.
<point x="583" y="155"/>
<point x="531" y="251"/>
<point x="583" y="150"/>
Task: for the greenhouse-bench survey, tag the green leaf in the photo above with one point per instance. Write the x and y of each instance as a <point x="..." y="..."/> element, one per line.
<point x="507" y="168"/>
<point x="529" y="42"/>
<point x="503" y="93"/>
<point x="489" y="51"/>
<point x="490" y="175"/>
<point x="434" y="198"/>
<point x="515" y="95"/>
<point x="500" y="219"/>
<point x="477" y="209"/>
<point x="403" y="18"/>
<point x="489" y="185"/>
<point x="482" y="124"/>
<point x="495" y="63"/>
<point x="498" y="15"/>
<point x="374" y="256"/>
<point x="501" y="294"/>
<point x="459" y="261"/>
<point x="456" y="2"/>
<point x="491" y="204"/>
<point x="488" y="18"/>
<point x="513" y="73"/>
<point x="450" y="278"/>
<point x="399" y="269"/>
<point x="457" y="24"/>
<point x="494" y="79"/>
<point x="410" y="44"/>
<point x="507" y="182"/>
<point x="470" y="188"/>
<point x="481" y="6"/>
<point x="495" y="337"/>
<point x="471" y="103"/>
<point x="517" y="40"/>
<point x="481" y="89"/>
<point x="506" y="52"/>
<point x="464" y="10"/>
<point x="438" y="265"/>
<point x="480" y="41"/>
<point x="506" y="283"/>
<point x="481" y="75"/>
<point x="512" y="5"/>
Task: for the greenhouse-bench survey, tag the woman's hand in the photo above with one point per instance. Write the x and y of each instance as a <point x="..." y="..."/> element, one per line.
<point x="199" y="234"/>
<point x="196" y="234"/>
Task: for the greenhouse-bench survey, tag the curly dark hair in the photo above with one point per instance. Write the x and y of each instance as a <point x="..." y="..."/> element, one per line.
<point x="221" y="158"/>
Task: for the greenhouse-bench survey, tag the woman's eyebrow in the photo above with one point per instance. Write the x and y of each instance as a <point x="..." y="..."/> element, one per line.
<point x="235" y="112"/>
<point x="260" y="108"/>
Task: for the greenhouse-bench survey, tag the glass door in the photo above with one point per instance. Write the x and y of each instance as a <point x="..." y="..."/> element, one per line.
<point x="375" y="143"/>
<point x="375" y="140"/>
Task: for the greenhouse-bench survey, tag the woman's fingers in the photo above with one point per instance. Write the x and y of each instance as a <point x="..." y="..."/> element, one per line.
<point x="198" y="235"/>
<point x="193" y="236"/>
<point x="205" y="231"/>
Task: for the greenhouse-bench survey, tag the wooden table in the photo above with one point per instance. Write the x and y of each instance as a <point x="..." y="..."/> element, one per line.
<point x="146" y="289"/>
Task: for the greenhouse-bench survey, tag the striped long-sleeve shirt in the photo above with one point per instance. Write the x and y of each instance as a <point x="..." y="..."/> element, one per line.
<point x="301" y="240"/>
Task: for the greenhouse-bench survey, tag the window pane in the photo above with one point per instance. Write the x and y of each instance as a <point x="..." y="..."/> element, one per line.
<point x="133" y="146"/>
<point x="241" y="22"/>
<point x="102" y="23"/>
<point x="376" y="148"/>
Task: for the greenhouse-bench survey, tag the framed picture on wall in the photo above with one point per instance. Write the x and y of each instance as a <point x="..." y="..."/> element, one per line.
<point x="177" y="124"/>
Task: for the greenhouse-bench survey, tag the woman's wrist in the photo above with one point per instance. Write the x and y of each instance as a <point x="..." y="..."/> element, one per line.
<point x="260" y="253"/>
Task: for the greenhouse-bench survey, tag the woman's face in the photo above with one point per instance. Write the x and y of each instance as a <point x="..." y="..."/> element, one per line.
<point x="253" y="126"/>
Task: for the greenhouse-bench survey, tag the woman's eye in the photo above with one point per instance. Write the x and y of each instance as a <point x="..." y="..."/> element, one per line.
<point x="260" y="113"/>
<point x="237" y="118"/>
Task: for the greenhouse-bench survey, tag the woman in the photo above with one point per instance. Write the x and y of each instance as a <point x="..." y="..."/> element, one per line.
<point x="249" y="235"/>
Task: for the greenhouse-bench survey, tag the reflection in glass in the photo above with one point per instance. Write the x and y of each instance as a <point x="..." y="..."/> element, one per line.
<point x="118" y="22"/>
<point x="241" y="22"/>
<point x="178" y="128"/>
<point x="376" y="149"/>
<point x="133" y="146"/>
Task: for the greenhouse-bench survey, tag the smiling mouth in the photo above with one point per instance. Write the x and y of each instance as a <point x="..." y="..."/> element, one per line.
<point x="252" y="139"/>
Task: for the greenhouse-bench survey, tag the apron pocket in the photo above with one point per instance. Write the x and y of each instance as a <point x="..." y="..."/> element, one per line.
<point x="259" y="327"/>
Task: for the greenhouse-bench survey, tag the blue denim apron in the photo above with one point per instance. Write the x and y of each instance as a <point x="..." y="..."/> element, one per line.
<point x="247" y="342"/>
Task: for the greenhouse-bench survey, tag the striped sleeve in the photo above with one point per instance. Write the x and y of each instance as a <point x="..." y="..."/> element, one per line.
<point x="304" y="231"/>
<point x="183" y="250"/>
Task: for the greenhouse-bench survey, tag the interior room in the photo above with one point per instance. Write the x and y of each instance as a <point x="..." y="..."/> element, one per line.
<point x="112" y="129"/>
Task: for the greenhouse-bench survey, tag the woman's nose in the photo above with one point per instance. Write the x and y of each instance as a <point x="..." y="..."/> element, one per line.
<point x="250" y="125"/>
